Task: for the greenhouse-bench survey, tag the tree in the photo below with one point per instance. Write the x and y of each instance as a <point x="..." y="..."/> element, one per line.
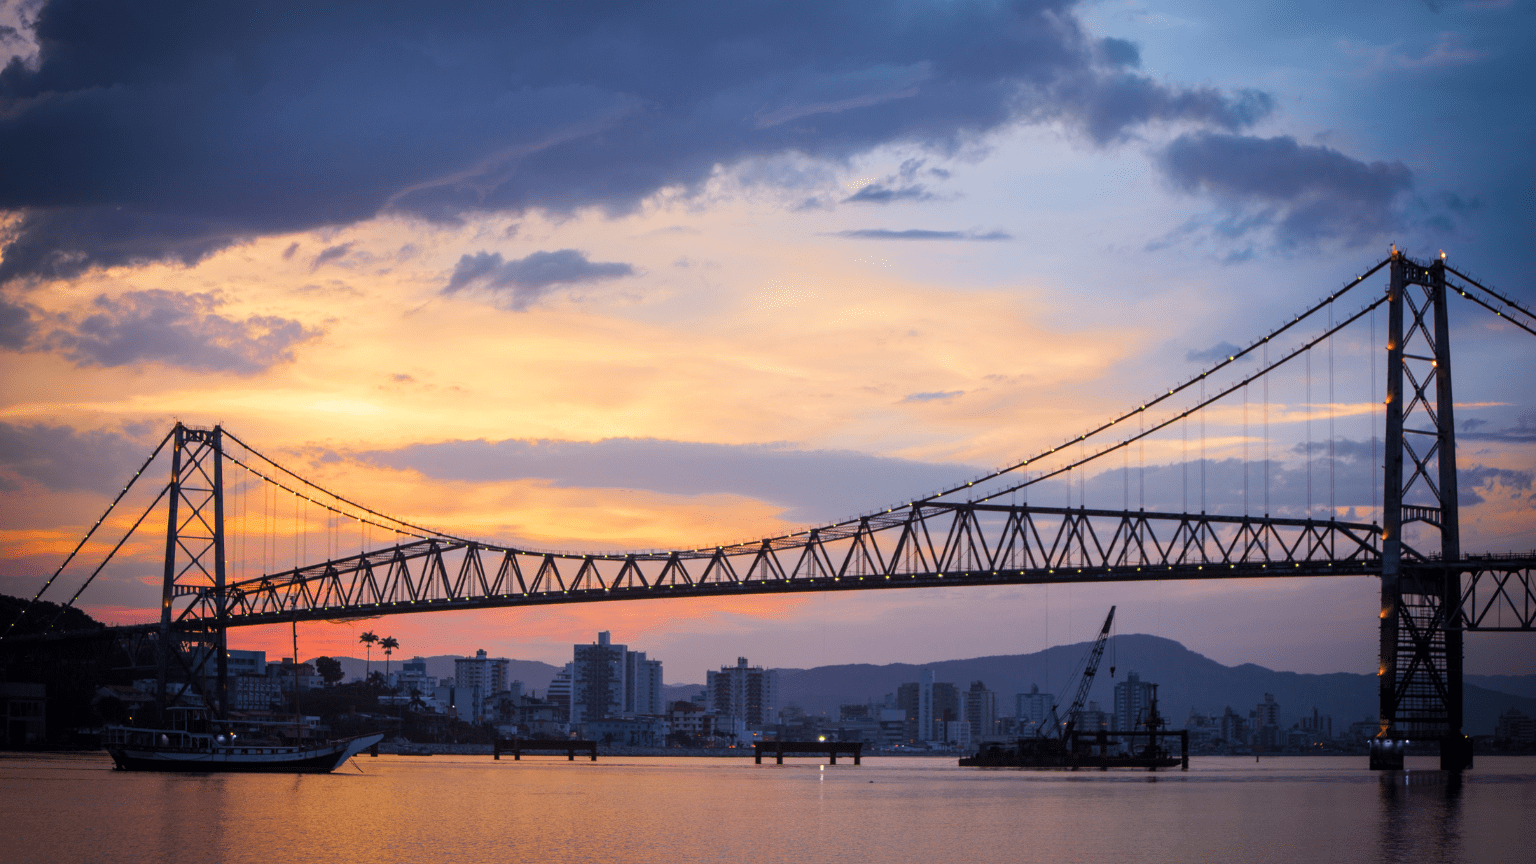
<point x="368" y="639"/>
<point x="389" y="644"/>
<point x="329" y="669"/>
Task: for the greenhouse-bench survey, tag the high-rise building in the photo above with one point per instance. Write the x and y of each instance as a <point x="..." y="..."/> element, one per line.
<point x="1266" y="724"/>
<point x="929" y="705"/>
<point x="979" y="708"/>
<point x="559" y="693"/>
<point x="609" y="680"/>
<point x="598" y="679"/>
<point x="1133" y="702"/>
<point x="1033" y="709"/>
<point x="642" y="685"/>
<point x="925" y="706"/>
<point x="746" y="693"/>
<point x="476" y="681"/>
<point x="1268" y="712"/>
<point x="1234" y="727"/>
<point x="906" y="702"/>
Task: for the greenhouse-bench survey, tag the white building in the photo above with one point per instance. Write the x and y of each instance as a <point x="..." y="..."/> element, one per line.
<point x="957" y="733"/>
<point x="413" y="676"/>
<point x="642" y="685"/>
<point x="747" y="694"/>
<point x="1032" y="709"/>
<point x="476" y="683"/>
<point x="978" y="707"/>
<point x="559" y="693"/>
<point x="1133" y="702"/>
<point x="253" y="692"/>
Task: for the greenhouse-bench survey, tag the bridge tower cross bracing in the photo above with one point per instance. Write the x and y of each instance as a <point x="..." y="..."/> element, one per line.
<point x="194" y="565"/>
<point x="1420" y="674"/>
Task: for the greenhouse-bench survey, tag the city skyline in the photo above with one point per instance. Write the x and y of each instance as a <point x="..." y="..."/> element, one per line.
<point x="741" y="278"/>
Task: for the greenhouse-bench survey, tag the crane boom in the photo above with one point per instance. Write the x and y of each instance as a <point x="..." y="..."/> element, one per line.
<point x="1089" y="670"/>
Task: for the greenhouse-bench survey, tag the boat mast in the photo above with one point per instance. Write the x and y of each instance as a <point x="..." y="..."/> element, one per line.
<point x="298" y="716"/>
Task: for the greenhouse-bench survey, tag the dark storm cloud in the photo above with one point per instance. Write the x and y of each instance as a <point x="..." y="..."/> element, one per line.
<point x="1219" y="351"/>
<point x="901" y="186"/>
<point x="15" y="325"/>
<point x="1119" y="52"/>
<point x="920" y="234"/>
<point x="65" y="460"/>
<point x="328" y="254"/>
<point x="815" y="484"/>
<point x="166" y="131"/>
<point x="1307" y="193"/>
<point x="1523" y="432"/>
<point x="1475" y="481"/>
<point x="525" y="280"/>
<point x="178" y="330"/>
<point x="1113" y="106"/>
<point x="876" y="193"/>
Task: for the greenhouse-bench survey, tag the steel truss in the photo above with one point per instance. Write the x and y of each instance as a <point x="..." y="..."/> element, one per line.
<point x="922" y="545"/>
<point x="1496" y="593"/>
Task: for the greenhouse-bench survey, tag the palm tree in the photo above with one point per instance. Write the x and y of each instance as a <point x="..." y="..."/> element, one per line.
<point x="389" y="644"/>
<point x="367" y="639"/>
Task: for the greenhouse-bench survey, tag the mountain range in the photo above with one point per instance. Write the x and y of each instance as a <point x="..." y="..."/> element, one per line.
<point x="1186" y="681"/>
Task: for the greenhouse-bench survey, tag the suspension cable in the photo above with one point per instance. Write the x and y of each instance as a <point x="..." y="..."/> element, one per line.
<point x="88" y="534"/>
<point x="371" y="512"/>
<point x="278" y="484"/>
<point x="1307" y="346"/>
<point x="164" y="489"/>
<point x="1505" y="300"/>
<point x="1483" y="303"/>
<point x="1161" y="397"/>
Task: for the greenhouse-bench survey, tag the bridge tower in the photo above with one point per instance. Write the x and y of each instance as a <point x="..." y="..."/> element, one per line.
<point x="194" y="564"/>
<point x="1421" y="618"/>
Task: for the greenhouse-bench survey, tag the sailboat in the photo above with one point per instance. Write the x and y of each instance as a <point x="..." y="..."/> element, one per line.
<point x="193" y="744"/>
<point x="136" y="749"/>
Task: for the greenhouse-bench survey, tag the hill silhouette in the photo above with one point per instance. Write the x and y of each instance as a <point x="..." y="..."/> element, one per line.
<point x="1186" y="680"/>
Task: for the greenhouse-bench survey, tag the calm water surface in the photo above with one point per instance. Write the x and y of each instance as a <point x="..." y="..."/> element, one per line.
<point x="545" y="809"/>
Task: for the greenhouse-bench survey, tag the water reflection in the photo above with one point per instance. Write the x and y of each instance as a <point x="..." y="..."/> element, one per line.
<point x="896" y="810"/>
<point x="1420" y="816"/>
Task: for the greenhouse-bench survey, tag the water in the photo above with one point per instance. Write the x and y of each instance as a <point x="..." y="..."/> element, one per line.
<point x="75" y="808"/>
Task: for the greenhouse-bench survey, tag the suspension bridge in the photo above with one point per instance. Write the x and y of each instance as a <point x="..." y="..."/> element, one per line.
<point x="975" y="533"/>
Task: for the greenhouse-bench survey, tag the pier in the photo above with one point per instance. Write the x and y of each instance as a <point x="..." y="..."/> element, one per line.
<point x="831" y="748"/>
<point x="518" y="746"/>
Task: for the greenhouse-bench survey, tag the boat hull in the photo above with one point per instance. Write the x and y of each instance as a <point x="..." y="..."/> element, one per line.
<point x="321" y="759"/>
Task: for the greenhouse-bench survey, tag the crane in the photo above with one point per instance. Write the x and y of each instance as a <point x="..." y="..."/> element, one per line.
<point x="1090" y="669"/>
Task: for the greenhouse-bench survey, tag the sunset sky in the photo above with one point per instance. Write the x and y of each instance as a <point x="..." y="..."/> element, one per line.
<point x="627" y="276"/>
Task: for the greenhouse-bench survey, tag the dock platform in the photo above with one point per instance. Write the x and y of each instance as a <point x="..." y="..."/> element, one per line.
<point x="518" y="746"/>
<point x="777" y="749"/>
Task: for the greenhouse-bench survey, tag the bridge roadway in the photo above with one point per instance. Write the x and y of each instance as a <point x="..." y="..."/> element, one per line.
<point x="923" y="545"/>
